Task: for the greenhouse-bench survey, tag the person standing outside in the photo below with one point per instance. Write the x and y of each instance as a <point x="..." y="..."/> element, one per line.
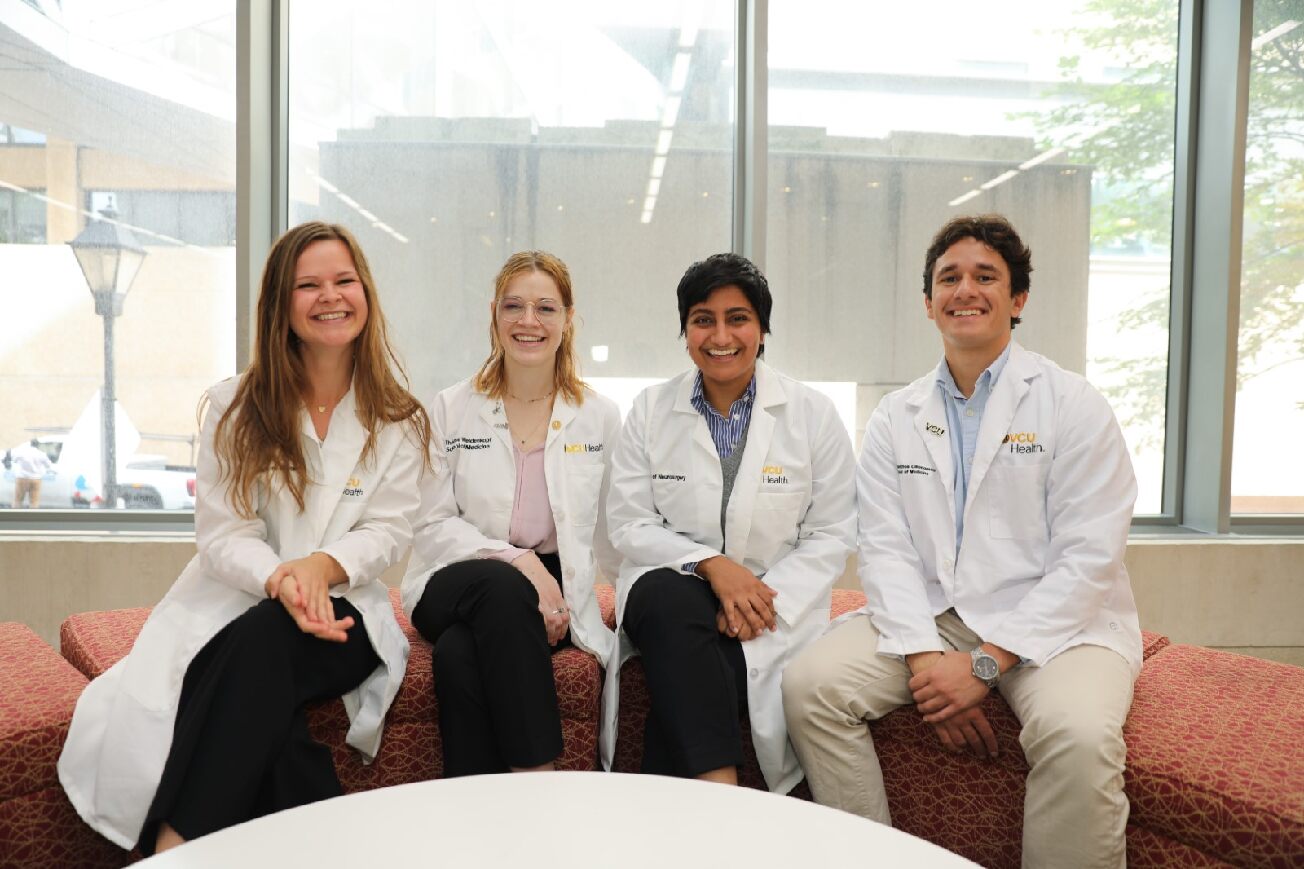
<point x="995" y="496"/>
<point x="30" y="465"/>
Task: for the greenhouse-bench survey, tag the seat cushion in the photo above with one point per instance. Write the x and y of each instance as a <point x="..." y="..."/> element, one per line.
<point x="1214" y="757"/>
<point x="38" y="692"/>
<point x="93" y="642"/>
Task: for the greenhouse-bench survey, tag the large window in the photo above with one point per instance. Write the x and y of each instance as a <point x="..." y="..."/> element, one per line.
<point x="450" y="134"/>
<point x="114" y="112"/>
<point x="886" y="120"/>
<point x="1267" y="466"/>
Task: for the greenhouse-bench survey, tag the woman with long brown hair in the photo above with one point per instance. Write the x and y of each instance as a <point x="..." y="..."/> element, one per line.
<point x="308" y="481"/>
<point x="509" y="539"/>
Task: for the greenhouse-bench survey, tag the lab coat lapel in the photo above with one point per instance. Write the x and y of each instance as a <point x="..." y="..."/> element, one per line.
<point x="562" y="414"/>
<point x="494" y="418"/>
<point x="340" y="453"/>
<point x="554" y="450"/>
<point x="999" y="413"/>
<point x="760" y="433"/>
<point x="933" y="428"/>
<point x="684" y="405"/>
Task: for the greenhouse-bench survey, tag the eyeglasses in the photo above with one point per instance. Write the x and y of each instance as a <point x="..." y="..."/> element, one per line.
<point x="546" y="311"/>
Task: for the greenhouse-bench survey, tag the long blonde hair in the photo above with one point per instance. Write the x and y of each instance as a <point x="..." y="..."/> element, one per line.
<point x="491" y="379"/>
<point x="259" y="433"/>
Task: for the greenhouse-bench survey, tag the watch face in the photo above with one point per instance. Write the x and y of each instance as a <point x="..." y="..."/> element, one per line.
<point x="985" y="667"/>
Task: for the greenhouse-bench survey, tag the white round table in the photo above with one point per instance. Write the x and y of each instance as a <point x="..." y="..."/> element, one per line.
<point x="560" y="819"/>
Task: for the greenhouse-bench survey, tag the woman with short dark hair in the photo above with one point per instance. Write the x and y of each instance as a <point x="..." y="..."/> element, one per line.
<point x="732" y="503"/>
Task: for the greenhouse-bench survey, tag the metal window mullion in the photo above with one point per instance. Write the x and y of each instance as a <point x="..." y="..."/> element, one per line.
<point x="1212" y="318"/>
<point x="750" y="143"/>
<point x="1179" y="324"/>
<point x="262" y="146"/>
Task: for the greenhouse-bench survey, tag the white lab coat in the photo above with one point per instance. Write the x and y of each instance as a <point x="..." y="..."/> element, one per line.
<point x="466" y="509"/>
<point x="358" y="512"/>
<point x="791" y="521"/>
<point x="1046" y="519"/>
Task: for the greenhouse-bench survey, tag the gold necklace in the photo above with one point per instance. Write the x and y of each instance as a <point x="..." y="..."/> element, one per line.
<point x="321" y="408"/>
<point x="532" y="400"/>
<point x="533" y="429"/>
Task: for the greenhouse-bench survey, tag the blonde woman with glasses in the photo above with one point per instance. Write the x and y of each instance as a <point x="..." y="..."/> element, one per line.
<point x="510" y="533"/>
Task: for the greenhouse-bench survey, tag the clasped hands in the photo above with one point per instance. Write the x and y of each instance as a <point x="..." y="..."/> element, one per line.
<point x="746" y="603"/>
<point x="303" y="588"/>
<point x="947" y="694"/>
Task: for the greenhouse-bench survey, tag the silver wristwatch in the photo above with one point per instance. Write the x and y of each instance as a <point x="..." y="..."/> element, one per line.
<point x="985" y="667"/>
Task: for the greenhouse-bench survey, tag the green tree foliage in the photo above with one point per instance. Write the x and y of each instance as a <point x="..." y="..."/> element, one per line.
<point x="1125" y="131"/>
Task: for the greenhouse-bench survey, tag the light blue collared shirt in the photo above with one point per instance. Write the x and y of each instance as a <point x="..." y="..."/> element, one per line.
<point x="965" y="415"/>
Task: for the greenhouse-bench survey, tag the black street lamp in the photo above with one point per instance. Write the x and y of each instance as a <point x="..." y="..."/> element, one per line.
<point x="110" y="257"/>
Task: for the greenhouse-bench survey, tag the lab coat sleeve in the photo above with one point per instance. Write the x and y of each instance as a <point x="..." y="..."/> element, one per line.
<point x="827" y="533"/>
<point x="232" y="548"/>
<point x="638" y="531"/>
<point x="608" y="559"/>
<point x="382" y="534"/>
<point x="1090" y="492"/>
<point x="891" y="571"/>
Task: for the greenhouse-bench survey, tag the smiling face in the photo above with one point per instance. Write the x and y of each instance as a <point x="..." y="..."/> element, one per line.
<point x="532" y="339"/>
<point x="724" y="337"/>
<point x="971" y="301"/>
<point x="328" y="306"/>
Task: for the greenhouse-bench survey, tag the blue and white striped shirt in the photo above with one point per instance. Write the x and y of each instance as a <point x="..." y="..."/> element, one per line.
<point x="725" y="431"/>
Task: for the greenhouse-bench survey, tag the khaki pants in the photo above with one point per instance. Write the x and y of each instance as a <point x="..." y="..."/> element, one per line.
<point x="1071" y="711"/>
<point x="30" y="489"/>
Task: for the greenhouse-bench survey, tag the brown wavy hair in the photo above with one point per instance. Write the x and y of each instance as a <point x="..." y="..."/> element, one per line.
<point x="257" y="437"/>
<point x="993" y="230"/>
<point x="491" y="379"/>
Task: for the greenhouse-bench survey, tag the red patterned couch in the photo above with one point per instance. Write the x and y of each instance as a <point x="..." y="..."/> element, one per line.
<point x="1215" y="768"/>
<point x="1215" y="772"/>
<point x="38" y="826"/>
<point x="93" y="642"/>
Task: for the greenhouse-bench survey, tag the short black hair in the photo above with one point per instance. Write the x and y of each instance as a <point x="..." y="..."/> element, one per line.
<point x="724" y="270"/>
<point x="993" y="230"/>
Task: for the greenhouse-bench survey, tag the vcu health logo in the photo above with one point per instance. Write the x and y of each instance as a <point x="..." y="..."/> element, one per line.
<point x="353" y="488"/>
<point x="773" y="474"/>
<point x="1023" y="442"/>
<point x="583" y="448"/>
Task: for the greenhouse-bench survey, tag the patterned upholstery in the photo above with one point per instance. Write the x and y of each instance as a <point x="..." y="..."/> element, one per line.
<point x="94" y="642"/>
<point x="38" y="691"/>
<point x="1214" y="756"/>
<point x="1214" y="774"/>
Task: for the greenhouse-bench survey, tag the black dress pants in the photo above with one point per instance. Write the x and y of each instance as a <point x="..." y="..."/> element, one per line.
<point x="240" y="746"/>
<point x="492" y="666"/>
<point x="696" y="676"/>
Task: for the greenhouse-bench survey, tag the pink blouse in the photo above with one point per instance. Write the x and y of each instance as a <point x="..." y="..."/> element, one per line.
<point x="532" y="526"/>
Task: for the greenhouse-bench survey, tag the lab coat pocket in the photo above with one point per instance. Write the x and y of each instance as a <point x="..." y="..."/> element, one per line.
<point x="1017" y="502"/>
<point x="774" y="524"/>
<point x="583" y="486"/>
